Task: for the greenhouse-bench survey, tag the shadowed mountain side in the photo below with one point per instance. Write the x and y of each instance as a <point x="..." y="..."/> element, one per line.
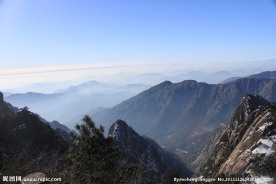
<point x="135" y="149"/>
<point x="28" y="144"/>
<point x="181" y="115"/>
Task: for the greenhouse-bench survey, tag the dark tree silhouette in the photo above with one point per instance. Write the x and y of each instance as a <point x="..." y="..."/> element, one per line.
<point x="92" y="156"/>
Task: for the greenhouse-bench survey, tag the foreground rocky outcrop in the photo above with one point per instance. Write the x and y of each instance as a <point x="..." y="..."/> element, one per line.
<point x="156" y="161"/>
<point x="246" y="146"/>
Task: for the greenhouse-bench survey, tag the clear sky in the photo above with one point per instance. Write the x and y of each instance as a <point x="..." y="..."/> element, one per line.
<point x="54" y="35"/>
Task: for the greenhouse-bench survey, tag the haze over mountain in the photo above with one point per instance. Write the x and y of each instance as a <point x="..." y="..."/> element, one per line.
<point x="76" y="100"/>
<point x="169" y="111"/>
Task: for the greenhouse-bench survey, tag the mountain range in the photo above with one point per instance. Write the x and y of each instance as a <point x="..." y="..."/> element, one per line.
<point x="66" y="104"/>
<point x="169" y="111"/>
<point x="262" y="75"/>
<point x="219" y="130"/>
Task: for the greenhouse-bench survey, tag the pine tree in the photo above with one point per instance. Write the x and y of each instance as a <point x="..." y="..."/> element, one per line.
<point x="92" y="156"/>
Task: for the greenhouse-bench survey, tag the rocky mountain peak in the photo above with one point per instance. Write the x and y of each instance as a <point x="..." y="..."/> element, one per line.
<point x="250" y="135"/>
<point x="248" y="105"/>
<point x="121" y="124"/>
<point x="146" y="152"/>
<point x="121" y="131"/>
<point x="253" y="101"/>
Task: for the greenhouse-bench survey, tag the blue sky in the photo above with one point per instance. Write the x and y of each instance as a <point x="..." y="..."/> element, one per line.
<point x="51" y="34"/>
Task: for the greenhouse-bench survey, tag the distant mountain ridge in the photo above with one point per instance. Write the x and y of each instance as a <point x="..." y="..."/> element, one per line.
<point x="262" y="75"/>
<point x="75" y="101"/>
<point x="230" y="80"/>
<point x="189" y="108"/>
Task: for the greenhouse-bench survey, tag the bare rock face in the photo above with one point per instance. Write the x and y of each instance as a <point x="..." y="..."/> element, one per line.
<point x="245" y="144"/>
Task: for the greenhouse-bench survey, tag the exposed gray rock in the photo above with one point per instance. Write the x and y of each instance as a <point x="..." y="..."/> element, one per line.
<point x="244" y="144"/>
